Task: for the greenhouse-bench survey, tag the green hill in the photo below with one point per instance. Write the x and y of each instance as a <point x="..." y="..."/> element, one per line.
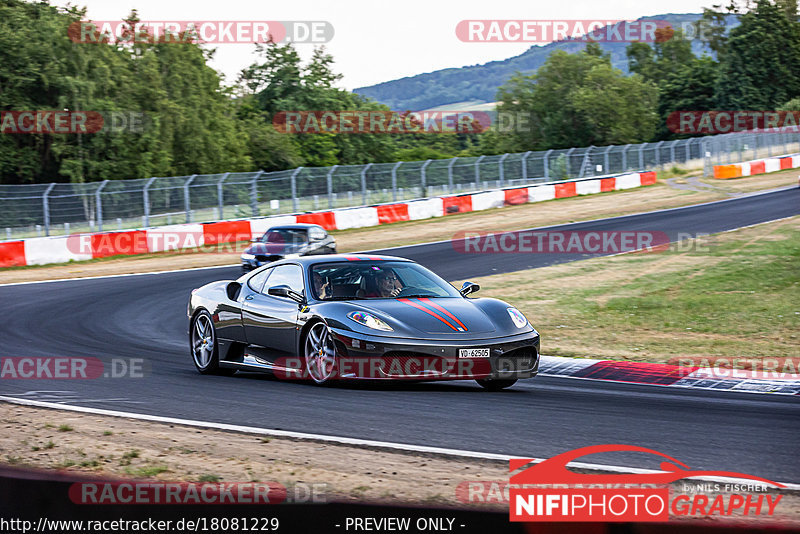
<point x="479" y="83"/>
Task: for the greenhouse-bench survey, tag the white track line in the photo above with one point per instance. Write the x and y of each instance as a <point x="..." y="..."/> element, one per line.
<point x="757" y="193"/>
<point x="119" y="275"/>
<point x="354" y="441"/>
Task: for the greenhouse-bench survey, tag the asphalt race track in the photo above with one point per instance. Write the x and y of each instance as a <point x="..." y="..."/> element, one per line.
<point x="145" y="317"/>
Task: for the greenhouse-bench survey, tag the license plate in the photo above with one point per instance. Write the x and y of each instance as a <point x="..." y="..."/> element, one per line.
<point x="473" y="353"/>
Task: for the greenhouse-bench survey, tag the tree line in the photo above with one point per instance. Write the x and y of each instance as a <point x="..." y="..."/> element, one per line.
<point x="196" y="124"/>
<point x="581" y="100"/>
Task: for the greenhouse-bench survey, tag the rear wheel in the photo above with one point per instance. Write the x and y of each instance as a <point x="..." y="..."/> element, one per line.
<point x="203" y="339"/>
<point x="496" y="384"/>
<point x="320" y="354"/>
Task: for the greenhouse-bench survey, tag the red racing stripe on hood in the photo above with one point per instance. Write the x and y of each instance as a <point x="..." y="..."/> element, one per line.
<point x="429" y="302"/>
<point x="429" y="312"/>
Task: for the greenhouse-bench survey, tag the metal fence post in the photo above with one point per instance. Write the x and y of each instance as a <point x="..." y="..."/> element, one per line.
<point x="500" y="171"/>
<point x="641" y="156"/>
<point x="329" y="180"/>
<point x="525" y="167"/>
<point x="186" y="205"/>
<point x="605" y="159"/>
<point x="423" y="178"/>
<point x="220" y="197"/>
<point x="478" y="172"/>
<point x="364" y="183"/>
<point x="254" y="193"/>
<point x="46" y="209"/>
<point x="658" y="154"/>
<point x="99" y="204"/>
<point x="547" y="165"/>
<point x="569" y="154"/>
<point x="728" y="149"/>
<point x="672" y="151"/>
<point x="625" y="157"/>
<point x="450" y="175"/>
<point x="146" y="201"/>
<point x="394" y="180"/>
<point x="587" y="159"/>
<point x="293" y="180"/>
<point x="706" y="153"/>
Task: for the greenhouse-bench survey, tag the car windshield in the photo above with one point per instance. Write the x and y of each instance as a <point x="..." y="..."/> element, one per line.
<point x="376" y="280"/>
<point x="285" y="236"/>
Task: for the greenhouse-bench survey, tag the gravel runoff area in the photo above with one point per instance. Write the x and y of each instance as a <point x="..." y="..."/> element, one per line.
<point x="117" y="447"/>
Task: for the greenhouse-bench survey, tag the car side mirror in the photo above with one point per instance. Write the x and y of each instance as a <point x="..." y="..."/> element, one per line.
<point x="286" y="292"/>
<point x="469" y="287"/>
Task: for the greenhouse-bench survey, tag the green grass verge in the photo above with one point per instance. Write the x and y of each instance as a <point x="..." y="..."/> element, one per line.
<point x="735" y="294"/>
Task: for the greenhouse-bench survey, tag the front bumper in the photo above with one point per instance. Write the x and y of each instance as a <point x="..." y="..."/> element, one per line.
<point x="361" y="356"/>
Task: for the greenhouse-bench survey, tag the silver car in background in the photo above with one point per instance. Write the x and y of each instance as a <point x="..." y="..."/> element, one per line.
<point x="287" y="241"/>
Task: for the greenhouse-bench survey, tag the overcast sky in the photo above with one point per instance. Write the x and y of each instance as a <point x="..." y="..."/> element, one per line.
<point x="377" y="41"/>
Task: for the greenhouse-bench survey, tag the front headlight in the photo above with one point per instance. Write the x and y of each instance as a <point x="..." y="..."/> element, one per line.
<point x="369" y="320"/>
<point x="246" y="256"/>
<point x="517" y="317"/>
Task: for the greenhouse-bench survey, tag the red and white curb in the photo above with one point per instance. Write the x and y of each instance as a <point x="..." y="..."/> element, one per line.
<point x="757" y="166"/>
<point x="79" y="247"/>
<point x="662" y="374"/>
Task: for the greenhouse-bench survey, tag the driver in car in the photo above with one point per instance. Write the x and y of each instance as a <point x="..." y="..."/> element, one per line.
<point x="322" y="286"/>
<point x="386" y="285"/>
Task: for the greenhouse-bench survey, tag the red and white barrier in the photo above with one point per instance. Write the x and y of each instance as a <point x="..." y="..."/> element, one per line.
<point x="77" y="247"/>
<point x="758" y="166"/>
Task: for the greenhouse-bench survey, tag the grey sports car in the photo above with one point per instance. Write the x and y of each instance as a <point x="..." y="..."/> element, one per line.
<point x="287" y="241"/>
<point x="337" y="317"/>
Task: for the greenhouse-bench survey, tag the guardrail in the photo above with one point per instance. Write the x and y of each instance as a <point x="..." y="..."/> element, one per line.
<point x="65" y="208"/>
<point x="78" y="247"/>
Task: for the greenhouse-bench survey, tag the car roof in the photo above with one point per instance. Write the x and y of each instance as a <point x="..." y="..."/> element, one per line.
<point x="294" y="226"/>
<point x="332" y="258"/>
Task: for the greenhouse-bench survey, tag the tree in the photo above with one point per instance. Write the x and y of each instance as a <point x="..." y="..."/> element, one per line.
<point x="617" y="109"/>
<point x="685" y="82"/>
<point x="572" y="101"/>
<point x="760" y="68"/>
<point x="791" y="105"/>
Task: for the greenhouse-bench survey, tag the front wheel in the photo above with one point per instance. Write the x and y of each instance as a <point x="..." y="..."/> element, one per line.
<point x="496" y="384"/>
<point x="203" y="338"/>
<point x="320" y="354"/>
